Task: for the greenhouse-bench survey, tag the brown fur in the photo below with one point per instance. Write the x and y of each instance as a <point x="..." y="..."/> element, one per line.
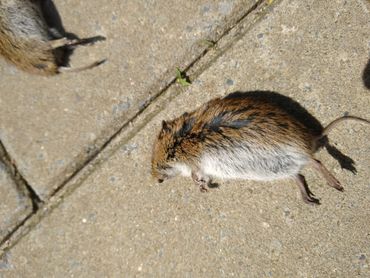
<point x="268" y="126"/>
<point x="249" y="129"/>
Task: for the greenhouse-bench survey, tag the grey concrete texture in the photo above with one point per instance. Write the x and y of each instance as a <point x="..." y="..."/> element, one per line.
<point x="50" y="126"/>
<point x="15" y="205"/>
<point x="120" y="222"/>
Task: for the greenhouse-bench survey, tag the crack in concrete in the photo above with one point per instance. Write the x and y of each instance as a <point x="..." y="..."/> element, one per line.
<point x="22" y="187"/>
<point x="127" y="131"/>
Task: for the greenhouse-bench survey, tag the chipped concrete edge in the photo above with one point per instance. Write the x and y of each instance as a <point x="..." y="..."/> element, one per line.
<point x="166" y="93"/>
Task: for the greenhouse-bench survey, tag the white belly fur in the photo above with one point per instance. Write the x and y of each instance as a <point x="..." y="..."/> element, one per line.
<point x="241" y="163"/>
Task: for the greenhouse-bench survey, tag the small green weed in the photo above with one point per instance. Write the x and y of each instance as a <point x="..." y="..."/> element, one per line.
<point x="181" y="78"/>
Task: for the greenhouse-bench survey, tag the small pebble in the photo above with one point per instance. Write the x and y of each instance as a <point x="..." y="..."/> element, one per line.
<point x="362" y="257"/>
<point x="230" y="82"/>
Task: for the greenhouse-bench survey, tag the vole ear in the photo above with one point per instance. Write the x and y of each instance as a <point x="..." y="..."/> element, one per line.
<point x="165" y="126"/>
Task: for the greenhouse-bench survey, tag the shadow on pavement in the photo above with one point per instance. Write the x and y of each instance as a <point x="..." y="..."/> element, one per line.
<point x="366" y="75"/>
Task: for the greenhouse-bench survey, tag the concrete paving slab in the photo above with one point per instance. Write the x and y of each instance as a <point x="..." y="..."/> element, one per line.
<point x="50" y="126"/>
<point x="14" y="205"/>
<point x="120" y="222"/>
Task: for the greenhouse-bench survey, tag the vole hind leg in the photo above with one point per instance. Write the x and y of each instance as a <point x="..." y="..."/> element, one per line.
<point x="305" y="191"/>
<point x="62" y="42"/>
<point x="55" y="33"/>
<point x="200" y="180"/>
<point x="330" y="179"/>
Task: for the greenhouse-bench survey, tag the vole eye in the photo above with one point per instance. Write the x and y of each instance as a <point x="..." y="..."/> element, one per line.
<point x="160" y="180"/>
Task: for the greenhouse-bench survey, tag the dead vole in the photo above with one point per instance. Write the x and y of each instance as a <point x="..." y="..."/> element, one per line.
<point x="240" y="138"/>
<point x="27" y="41"/>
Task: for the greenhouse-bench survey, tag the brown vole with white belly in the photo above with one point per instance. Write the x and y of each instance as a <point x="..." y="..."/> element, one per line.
<point x="27" y="41"/>
<point x="240" y="138"/>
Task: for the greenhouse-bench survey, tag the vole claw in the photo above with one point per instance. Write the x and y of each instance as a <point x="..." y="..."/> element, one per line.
<point x="203" y="188"/>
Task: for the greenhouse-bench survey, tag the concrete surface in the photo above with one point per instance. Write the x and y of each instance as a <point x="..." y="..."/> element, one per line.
<point x="51" y="126"/>
<point x="119" y="222"/>
<point x="14" y="205"/>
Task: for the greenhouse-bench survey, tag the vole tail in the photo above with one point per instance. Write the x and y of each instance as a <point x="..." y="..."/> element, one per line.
<point x="334" y="123"/>
<point x="92" y="65"/>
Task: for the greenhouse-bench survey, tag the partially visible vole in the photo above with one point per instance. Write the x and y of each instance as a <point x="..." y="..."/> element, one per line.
<point x="27" y="41"/>
<point x="240" y="138"/>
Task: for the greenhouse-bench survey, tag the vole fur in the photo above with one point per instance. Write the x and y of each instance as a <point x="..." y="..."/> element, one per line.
<point x="240" y="138"/>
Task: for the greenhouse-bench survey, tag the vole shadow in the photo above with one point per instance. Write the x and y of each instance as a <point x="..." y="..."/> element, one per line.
<point x="57" y="31"/>
<point x="213" y="185"/>
<point x="304" y="117"/>
<point x="366" y="75"/>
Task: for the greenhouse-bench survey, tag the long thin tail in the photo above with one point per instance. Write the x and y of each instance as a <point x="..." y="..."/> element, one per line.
<point x="334" y="123"/>
<point x="92" y="65"/>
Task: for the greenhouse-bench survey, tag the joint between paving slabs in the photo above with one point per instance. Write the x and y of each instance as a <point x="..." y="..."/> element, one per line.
<point x="22" y="185"/>
<point x="213" y="44"/>
<point x="236" y="32"/>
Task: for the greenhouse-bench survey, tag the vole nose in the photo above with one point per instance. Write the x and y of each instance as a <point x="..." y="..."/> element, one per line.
<point x="160" y="180"/>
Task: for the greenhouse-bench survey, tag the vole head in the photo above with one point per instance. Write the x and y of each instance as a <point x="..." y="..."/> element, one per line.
<point x="168" y="156"/>
<point x="162" y="153"/>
